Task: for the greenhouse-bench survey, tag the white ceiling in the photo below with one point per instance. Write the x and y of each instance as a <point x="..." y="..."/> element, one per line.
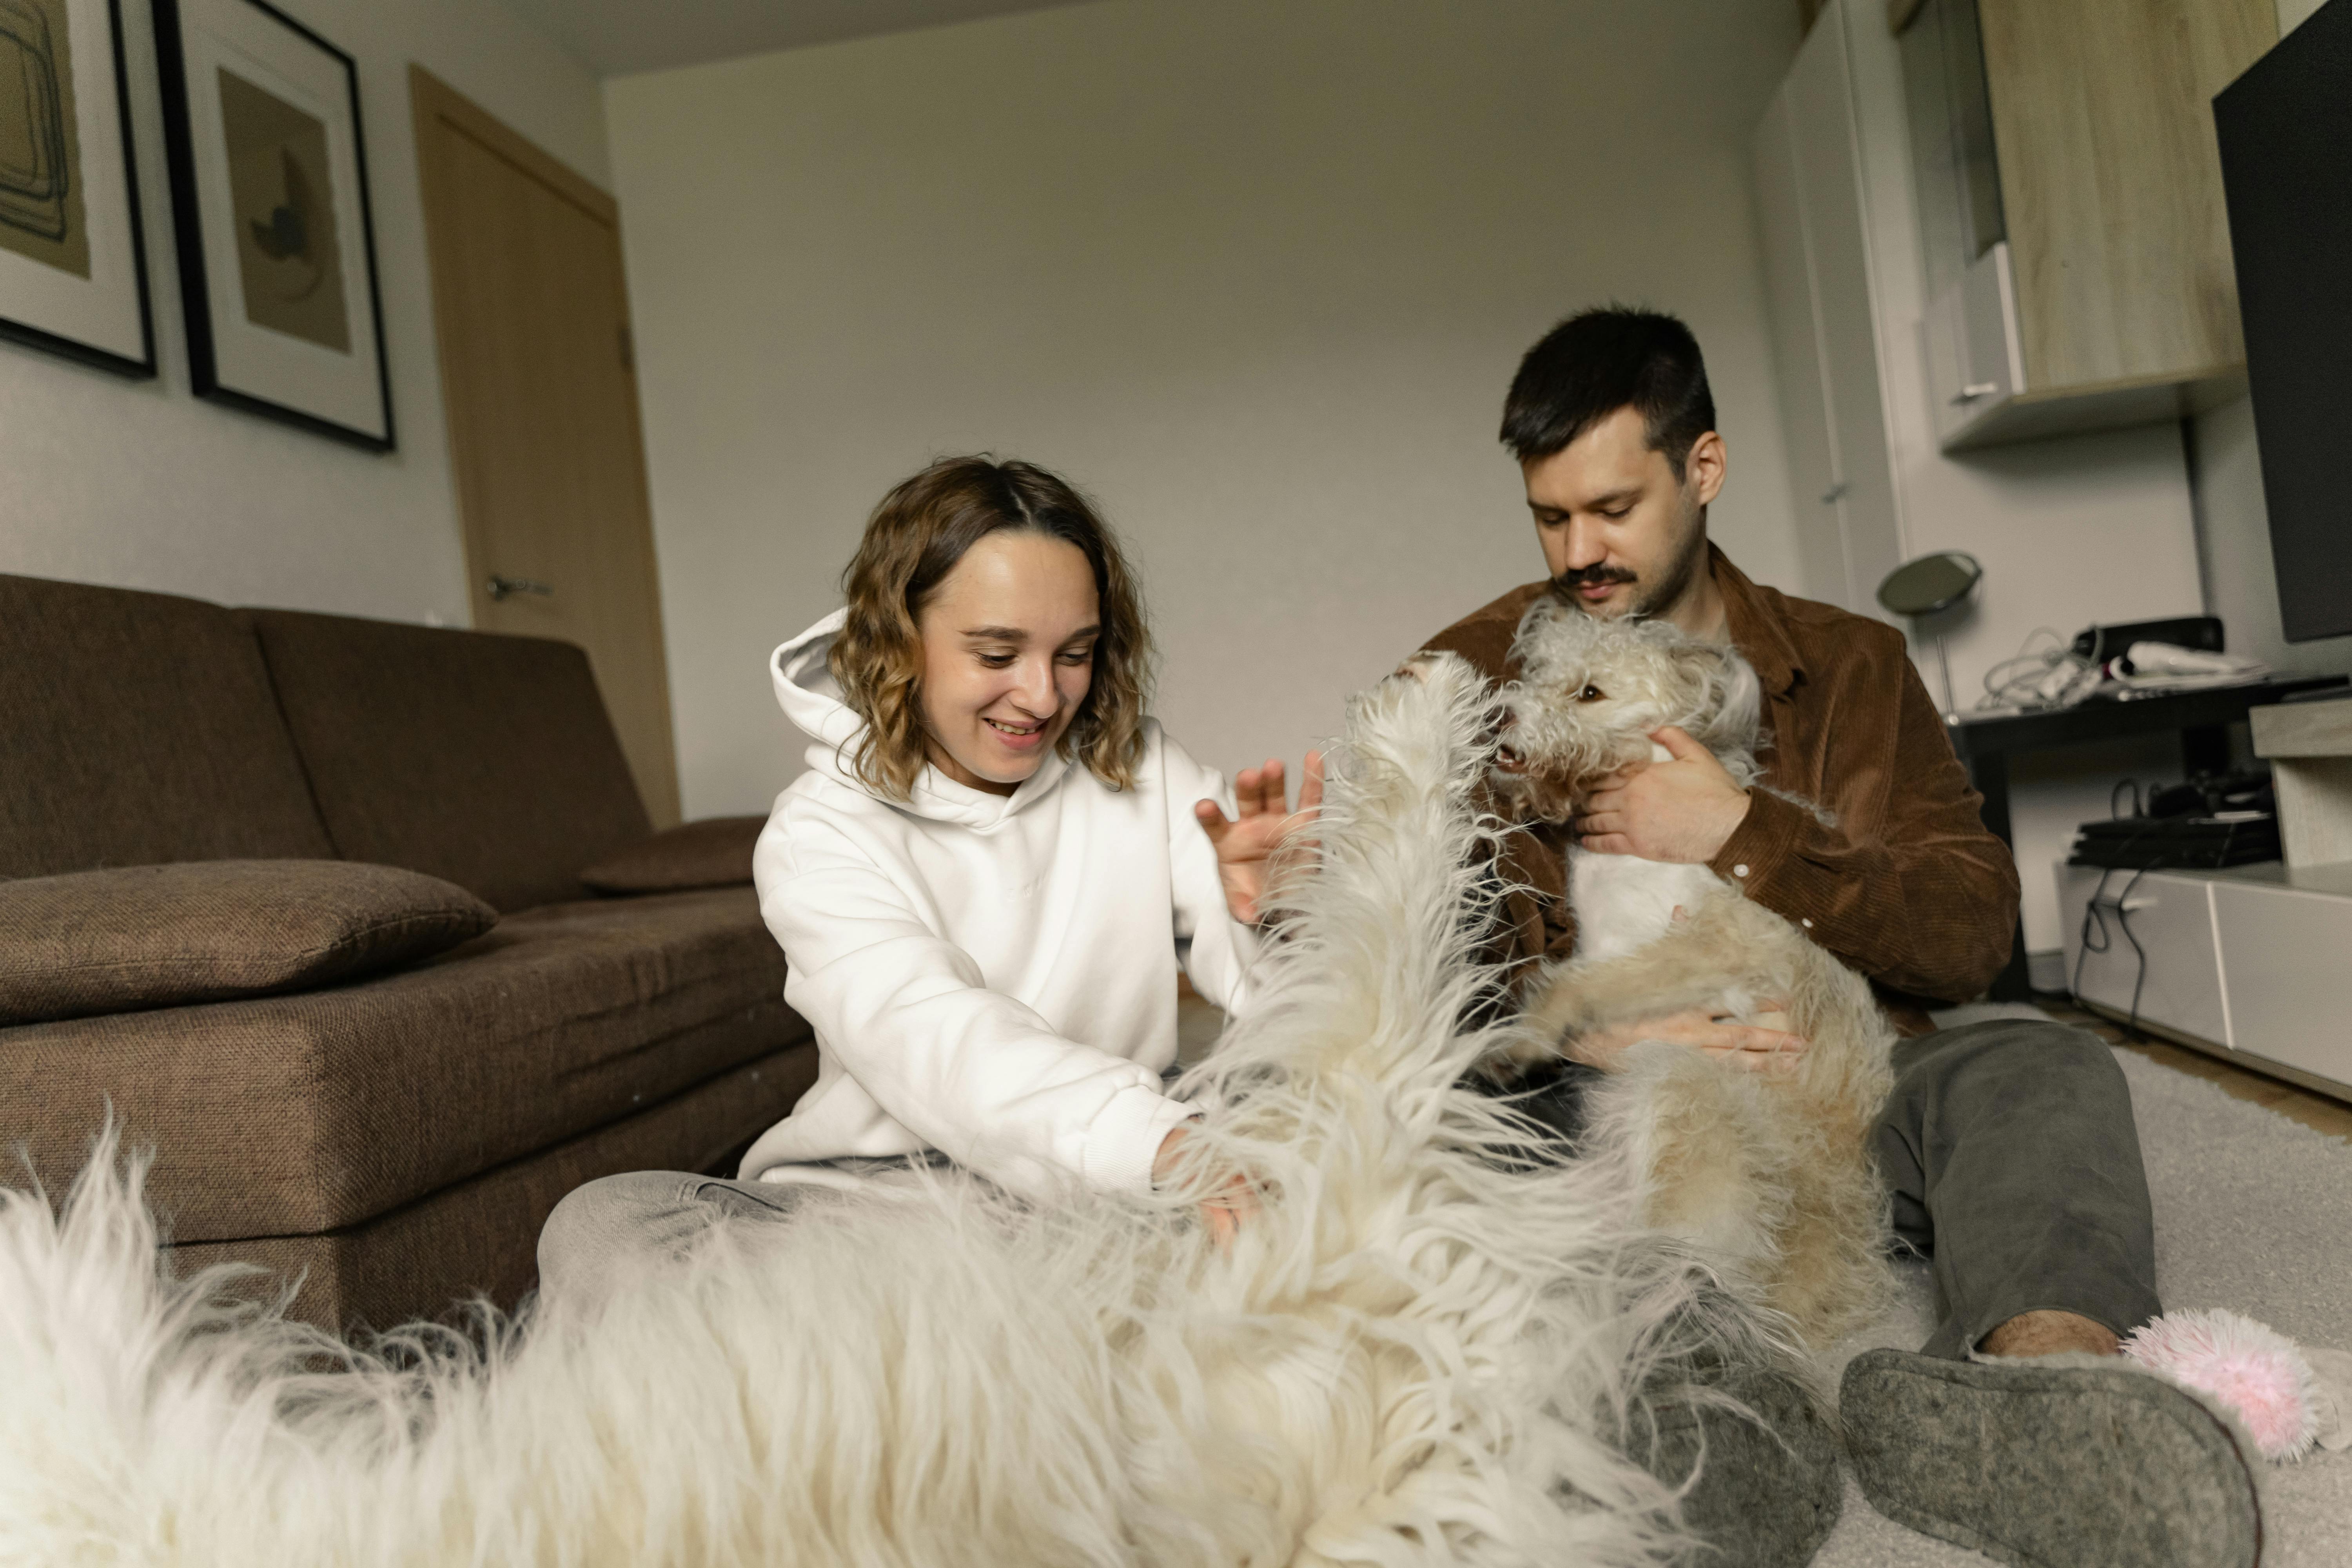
<point x="619" y="38"/>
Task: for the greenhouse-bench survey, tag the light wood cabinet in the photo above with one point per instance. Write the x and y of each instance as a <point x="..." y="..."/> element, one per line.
<point x="2088" y="285"/>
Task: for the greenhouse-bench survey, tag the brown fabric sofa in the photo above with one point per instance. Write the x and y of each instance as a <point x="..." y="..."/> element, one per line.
<point x="395" y="1140"/>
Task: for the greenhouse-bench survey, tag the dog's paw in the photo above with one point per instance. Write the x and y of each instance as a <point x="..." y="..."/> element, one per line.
<point x="1516" y="1052"/>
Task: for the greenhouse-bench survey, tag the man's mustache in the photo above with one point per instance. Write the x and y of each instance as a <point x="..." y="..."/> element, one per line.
<point x="1592" y="576"/>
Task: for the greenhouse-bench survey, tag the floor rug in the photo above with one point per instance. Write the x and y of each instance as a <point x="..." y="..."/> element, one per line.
<point x="2253" y="1213"/>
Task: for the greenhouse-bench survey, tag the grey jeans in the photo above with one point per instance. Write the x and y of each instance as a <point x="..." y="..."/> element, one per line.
<point x="617" y="1228"/>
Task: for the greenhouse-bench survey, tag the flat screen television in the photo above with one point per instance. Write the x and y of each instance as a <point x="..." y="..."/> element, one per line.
<point x="2285" y="129"/>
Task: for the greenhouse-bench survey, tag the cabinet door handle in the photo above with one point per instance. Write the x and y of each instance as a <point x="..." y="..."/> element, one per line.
<point x="501" y="587"/>
<point x="1834" y="494"/>
<point x="1975" y="390"/>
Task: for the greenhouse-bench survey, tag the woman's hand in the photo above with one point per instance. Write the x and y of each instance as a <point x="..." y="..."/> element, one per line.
<point x="1234" y="1201"/>
<point x="1246" y="844"/>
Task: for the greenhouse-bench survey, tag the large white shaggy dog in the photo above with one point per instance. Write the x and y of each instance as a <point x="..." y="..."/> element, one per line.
<point x="1769" y="1173"/>
<point x="1422" y="1350"/>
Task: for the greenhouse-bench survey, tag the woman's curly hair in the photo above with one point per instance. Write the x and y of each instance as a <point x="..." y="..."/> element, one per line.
<point x="912" y="541"/>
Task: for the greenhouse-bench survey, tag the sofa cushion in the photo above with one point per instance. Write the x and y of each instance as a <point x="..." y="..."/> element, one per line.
<point x="485" y="760"/>
<point x="136" y="728"/>
<point x="713" y="853"/>
<point x="163" y="936"/>
<point x="289" y="1115"/>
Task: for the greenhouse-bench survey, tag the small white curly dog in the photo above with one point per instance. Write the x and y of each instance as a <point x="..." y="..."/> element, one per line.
<point x="1770" y="1172"/>
<point x="1422" y="1350"/>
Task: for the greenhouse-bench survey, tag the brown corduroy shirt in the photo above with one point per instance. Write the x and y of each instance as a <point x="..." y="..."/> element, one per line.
<point x="1908" y="886"/>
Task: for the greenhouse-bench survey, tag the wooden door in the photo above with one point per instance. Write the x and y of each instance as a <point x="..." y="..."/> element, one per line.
<point x="540" y="382"/>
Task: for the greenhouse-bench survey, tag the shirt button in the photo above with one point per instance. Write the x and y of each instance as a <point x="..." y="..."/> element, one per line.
<point x="1740" y="871"/>
<point x="1807" y="924"/>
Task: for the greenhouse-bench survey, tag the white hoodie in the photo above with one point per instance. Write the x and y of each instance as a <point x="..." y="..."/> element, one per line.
<point x="991" y="976"/>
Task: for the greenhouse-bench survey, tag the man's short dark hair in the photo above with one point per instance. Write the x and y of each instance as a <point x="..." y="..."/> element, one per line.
<point x="1592" y="365"/>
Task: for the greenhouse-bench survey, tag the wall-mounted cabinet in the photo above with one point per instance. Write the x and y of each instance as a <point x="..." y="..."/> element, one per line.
<point x="2071" y="218"/>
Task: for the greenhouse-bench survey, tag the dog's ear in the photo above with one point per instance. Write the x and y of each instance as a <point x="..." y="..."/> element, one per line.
<point x="1741" y="716"/>
<point x="1549" y="635"/>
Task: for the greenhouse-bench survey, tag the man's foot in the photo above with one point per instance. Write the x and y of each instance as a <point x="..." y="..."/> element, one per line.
<point x="2052" y="1333"/>
<point x="1768" y="1488"/>
<point x="2067" y="1462"/>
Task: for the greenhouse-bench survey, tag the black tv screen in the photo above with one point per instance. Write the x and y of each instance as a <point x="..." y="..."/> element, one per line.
<point x="2286" y="167"/>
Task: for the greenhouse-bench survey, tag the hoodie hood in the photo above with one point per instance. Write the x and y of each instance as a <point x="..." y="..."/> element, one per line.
<point x="811" y="699"/>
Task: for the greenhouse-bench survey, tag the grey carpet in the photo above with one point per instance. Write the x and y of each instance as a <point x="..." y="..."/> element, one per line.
<point x="2253" y="1213"/>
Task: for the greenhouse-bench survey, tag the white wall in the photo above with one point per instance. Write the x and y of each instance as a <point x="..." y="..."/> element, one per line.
<point x="1256" y="275"/>
<point x="140" y="484"/>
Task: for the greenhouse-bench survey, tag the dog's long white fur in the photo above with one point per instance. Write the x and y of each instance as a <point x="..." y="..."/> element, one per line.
<point x="1422" y="1350"/>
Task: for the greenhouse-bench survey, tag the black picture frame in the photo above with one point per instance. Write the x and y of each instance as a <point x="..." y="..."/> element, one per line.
<point x="25" y="321"/>
<point x="229" y="354"/>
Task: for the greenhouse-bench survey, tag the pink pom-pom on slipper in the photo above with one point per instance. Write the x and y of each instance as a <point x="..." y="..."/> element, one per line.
<point x="2254" y="1371"/>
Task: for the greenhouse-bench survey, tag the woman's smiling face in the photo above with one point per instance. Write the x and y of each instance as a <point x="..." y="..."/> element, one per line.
<point x="1008" y="655"/>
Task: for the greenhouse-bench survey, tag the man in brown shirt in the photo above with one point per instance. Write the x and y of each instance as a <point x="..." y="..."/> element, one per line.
<point x="1906" y="883"/>
<point x="2009" y="1145"/>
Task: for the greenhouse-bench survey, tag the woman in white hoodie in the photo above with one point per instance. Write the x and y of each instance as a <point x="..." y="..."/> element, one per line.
<point x="985" y="880"/>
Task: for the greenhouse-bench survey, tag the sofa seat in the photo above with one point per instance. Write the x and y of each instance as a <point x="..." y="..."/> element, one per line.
<point x="425" y="1259"/>
<point x="301" y="1114"/>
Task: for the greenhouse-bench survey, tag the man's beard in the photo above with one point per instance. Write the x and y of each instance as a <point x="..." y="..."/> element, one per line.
<point x="1670" y="584"/>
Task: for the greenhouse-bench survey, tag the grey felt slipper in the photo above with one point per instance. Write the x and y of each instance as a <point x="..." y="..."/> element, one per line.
<point x="1768" y="1489"/>
<point x="2071" y="1461"/>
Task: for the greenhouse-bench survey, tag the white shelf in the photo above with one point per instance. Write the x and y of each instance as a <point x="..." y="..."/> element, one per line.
<point x="2248" y="964"/>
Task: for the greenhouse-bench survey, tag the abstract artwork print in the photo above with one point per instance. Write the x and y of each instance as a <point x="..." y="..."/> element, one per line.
<point x="269" y="201"/>
<point x="40" y="147"/>
<point x="282" y="196"/>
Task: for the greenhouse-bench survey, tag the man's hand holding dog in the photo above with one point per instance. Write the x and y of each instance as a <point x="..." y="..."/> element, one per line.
<point x="1747" y="1046"/>
<point x="1683" y="810"/>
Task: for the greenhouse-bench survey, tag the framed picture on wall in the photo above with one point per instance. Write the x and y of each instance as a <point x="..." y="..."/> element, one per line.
<point x="73" y="264"/>
<point x="261" y="123"/>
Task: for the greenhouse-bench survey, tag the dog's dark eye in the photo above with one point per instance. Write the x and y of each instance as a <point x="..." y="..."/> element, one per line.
<point x="1591" y="693"/>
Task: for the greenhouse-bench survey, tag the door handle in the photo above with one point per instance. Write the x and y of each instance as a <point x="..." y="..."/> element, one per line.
<point x="1834" y="494"/>
<point x="1975" y="390"/>
<point x="503" y="587"/>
